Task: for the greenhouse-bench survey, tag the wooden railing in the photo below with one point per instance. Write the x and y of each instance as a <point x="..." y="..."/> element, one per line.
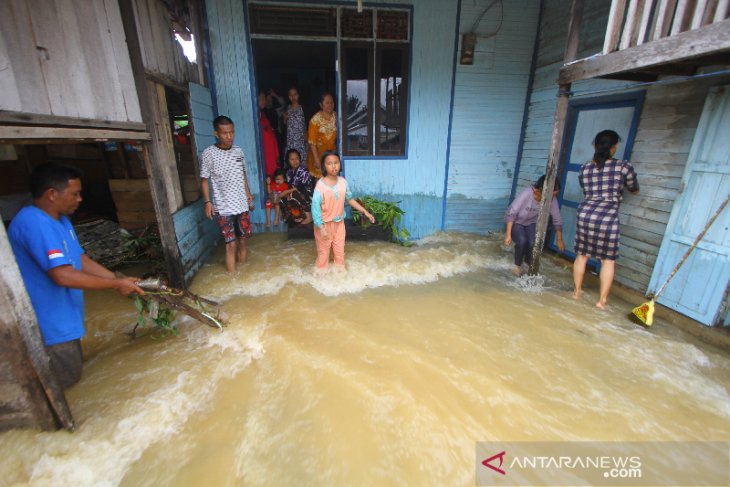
<point x="635" y="22"/>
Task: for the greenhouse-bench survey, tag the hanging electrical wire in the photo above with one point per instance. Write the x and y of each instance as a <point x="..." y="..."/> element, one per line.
<point x="481" y="16"/>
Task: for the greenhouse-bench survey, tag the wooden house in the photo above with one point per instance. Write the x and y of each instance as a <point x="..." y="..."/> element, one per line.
<point x="99" y="85"/>
<point x="447" y="106"/>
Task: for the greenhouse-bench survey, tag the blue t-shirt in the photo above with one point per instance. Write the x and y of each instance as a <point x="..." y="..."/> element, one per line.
<point x="41" y="243"/>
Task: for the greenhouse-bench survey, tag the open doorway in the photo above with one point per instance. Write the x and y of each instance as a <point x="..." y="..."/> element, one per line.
<point x="282" y="64"/>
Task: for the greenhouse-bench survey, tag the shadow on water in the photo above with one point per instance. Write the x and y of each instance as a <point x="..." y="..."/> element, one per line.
<point x="384" y="375"/>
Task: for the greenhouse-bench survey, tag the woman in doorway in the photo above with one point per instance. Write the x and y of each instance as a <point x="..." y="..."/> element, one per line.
<point x="322" y="134"/>
<point x="268" y="140"/>
<point x="296" y="138"/>
<point x="597" y="232"/>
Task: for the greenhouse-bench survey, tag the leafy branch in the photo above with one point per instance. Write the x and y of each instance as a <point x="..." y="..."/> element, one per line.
<point x="387" y="214"/>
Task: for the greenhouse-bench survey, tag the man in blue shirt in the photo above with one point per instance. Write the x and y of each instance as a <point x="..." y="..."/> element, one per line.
<point x="55" y="268"/>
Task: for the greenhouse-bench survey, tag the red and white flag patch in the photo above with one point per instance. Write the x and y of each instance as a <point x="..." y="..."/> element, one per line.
<point x="54" y="254"/>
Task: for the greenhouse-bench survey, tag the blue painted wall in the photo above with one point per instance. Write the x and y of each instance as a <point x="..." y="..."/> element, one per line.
<point x="489" y="98"/>
<point x="489" y="101"/>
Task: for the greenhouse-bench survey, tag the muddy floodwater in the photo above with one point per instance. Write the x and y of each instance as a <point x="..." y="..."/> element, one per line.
<point x="385" y="375"/>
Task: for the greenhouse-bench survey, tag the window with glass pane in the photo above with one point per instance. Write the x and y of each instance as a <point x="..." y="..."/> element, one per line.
<point x="357" y="123"/>
<point x="391" y="95"/>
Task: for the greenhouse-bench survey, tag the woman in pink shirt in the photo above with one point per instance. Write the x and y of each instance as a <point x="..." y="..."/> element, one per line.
<point x="328" y="212"/>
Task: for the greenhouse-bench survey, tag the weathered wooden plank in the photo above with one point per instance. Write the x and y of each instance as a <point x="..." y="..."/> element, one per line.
<point x="613" y="31"/>
<point x="137" y="216"/>
<point x="631" y="24"/>
<point x="16" y="30"/>
<point x="122" y="61"/>
<point x="9" y="94"/>
<point x="107" y="90"/>
<point x="8" y="133"/>
<point x="682" y="16"/>
<point x="54" y="55"/>
<point x="721" y="11"/>
<point x="144" y="32"/>
<point x="133" y="201"/>
<point x="699" y="16"/>
<point x="139" y="185"/>
<point x="712" y="39"/>
<point x="50" y="120"/>
<point x="663" y="21"/>
<point x="645" y="25"/>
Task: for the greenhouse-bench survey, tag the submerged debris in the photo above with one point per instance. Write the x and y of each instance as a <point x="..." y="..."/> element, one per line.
<point x="114" y="247"/>
<point x="157" y="307"/>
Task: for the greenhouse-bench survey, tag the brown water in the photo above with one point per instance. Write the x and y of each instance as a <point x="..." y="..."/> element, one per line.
<point x="385" y="375"/>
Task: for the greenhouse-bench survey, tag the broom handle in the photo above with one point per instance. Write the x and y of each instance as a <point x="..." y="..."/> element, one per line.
<point x="694" y="244"/>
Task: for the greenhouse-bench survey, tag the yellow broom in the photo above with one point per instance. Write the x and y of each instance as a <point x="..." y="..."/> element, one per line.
<point x="645" y="312"/>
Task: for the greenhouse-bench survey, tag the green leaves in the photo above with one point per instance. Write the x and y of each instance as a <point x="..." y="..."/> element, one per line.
<point x="387" y="214"/>
<point x="154" y="313"/>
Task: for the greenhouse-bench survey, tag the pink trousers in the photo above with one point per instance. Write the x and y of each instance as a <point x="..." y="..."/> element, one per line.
<point x="335" y="240"/>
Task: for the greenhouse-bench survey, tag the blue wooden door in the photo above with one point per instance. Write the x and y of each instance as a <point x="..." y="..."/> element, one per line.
<point x="585" y="119"/>
<point x="698" y="287"/>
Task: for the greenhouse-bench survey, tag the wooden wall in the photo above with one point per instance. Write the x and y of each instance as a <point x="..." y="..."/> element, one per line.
<point x="489" y="103"/>
<point x="66" y="58"/>
<point x="162" y="55"/>
<point x="196" y="235"/>
<point x="669" y="118"/>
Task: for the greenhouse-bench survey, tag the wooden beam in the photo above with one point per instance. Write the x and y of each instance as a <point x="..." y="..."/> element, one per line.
<point x="22" y="118"/>
<point x="710" y="40"/>
<point x="11" y="134"/>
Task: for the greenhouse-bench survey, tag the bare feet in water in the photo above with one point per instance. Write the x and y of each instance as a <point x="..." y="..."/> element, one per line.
<point x="577" y="294"/>
<point x="601" y="304"/>
<point x="516" y="270"/>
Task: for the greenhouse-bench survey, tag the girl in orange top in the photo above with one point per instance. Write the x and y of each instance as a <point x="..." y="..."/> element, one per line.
<point x="322" y="134"/>
<point x="328" y="212"/>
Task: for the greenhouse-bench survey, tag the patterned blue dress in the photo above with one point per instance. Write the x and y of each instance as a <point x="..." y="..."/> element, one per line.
<point x="597" y="234"/>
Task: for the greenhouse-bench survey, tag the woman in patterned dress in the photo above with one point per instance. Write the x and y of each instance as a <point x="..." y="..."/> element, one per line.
<point x="322" y="134"/>
<point x="597" y="234"/>
<point x="296" y="136"/>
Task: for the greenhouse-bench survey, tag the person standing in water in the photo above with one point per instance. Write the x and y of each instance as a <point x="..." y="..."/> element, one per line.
<point x="328" y="212"/>
<point x="225" y="190"/>
<point x="521" y="219"/>
<point x="597" y="233"/>
<point x="55" y="268"/>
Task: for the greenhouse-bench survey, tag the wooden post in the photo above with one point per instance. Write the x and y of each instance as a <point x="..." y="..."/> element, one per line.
<point x="159" y="158"/>
<point x="561" y="110"/>
<point x="32" y="397"/>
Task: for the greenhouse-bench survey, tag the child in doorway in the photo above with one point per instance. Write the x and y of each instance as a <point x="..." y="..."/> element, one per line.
<point x="275" y="188"/>
<point x="328" y="212"/>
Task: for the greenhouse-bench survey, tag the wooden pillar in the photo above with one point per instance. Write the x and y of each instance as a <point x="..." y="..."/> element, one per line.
<point x="30" y="396"/>
<point x="561" y="110"/>
<point x="159" y="156"/>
